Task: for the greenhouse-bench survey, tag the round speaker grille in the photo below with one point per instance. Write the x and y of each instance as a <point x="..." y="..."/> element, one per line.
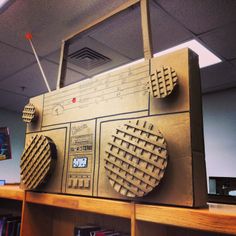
<point x="136" y="158"/>
<point x="37" y="161"/>
<point x="29" y="113"/>
<point x="163" y="82"/>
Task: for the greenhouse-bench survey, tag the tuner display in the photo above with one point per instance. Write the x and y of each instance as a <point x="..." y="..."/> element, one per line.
<point x="80" y="162"/>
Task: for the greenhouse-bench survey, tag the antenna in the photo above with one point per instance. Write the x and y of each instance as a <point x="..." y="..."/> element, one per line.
<point x="29" y="37"/>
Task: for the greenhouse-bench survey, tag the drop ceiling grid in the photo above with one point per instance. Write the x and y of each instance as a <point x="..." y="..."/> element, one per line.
<point x="201" y="16"/>
<point x="13" y="60"/>
<point x="209" y="20"/>
<point x="222" y="40"/>
<point x="213" y="22"/>
<point x="166" y="32"/>
<point x="29" y="81"/>
<point x="44" y="19"/>
<point x="122" y="34"/>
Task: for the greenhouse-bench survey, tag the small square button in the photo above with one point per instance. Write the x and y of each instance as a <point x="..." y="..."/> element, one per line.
<point x="70" y="183"/>
<point x="86" y="183"/>
<point x="81" y="183"/>
<point x="75" y="184"/>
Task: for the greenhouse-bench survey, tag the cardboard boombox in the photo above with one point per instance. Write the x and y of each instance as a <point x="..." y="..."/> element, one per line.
<point x="134" y="133"/>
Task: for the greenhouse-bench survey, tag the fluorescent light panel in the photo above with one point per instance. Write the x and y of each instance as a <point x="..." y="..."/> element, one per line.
<point x="206" y="57"/>
<point x="3" y="2"/>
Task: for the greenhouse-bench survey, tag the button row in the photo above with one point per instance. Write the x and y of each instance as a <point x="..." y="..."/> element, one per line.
<point x="79" y="183"/>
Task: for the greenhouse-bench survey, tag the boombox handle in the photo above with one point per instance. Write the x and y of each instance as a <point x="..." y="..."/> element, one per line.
<point x="145" y="19"/>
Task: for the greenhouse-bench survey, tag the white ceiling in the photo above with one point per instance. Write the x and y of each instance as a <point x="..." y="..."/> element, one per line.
<point x="212" y="22"/>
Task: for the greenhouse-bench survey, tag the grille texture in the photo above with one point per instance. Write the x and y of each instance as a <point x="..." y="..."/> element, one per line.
<point x="37" y="161"/>
<point x="136" y="158"/>
<point x="29" y="113"/>
<point x="88" y="59"/>
<point x="163" y="82"/>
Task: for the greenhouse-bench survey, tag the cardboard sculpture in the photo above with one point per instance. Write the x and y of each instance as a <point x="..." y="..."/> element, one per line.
<point x="134" y="133"/>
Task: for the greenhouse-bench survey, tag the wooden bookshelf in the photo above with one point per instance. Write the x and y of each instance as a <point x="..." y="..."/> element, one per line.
<point x="46" y="214"/>
<point x="218" y="218"/>
<point x="11" y="200"/>
<point x="66" y="211"/>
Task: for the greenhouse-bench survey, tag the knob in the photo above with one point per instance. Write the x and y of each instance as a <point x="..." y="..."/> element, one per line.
<point x="29" y="113"/>
<point x="162" y="83"/>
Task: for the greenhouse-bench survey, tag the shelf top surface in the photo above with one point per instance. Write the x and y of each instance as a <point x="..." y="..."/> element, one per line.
<point x="12" y="192"/>
<point x="81" y="202"/>
<point x="88" y="204"/>
<point x="220" y="218"/>
<point x="216" y="208"/>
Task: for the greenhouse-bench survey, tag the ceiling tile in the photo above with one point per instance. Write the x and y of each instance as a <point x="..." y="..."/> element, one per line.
<point x="12" y="60"/>
<point x="54" y="56"/>
<point x="49" y="21"/>
<point x="29" y="82"/>
<point x="166" y="32"/>
<point x="222" y="41"/>
<point x="122" y="36"/>
<point x="233" y="62"/>
<point x="73" y="77"/>
<point x="219" y="76"/>
<point x="201" y="16"/>
<point x="12" y="101"/>
<point x="122" y="33"/>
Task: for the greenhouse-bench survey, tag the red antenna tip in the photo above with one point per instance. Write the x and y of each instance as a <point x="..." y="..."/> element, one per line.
<point x="28" y="36"/>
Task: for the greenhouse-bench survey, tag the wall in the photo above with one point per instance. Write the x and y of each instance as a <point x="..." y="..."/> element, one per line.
<point x="219" y="116"/>
<point x="9" y="169"/>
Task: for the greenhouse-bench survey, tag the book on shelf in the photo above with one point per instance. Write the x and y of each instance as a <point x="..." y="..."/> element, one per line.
<point x="91" y="230"/>
<point x="9" y="225"/>
<point x="85" y="230"/>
